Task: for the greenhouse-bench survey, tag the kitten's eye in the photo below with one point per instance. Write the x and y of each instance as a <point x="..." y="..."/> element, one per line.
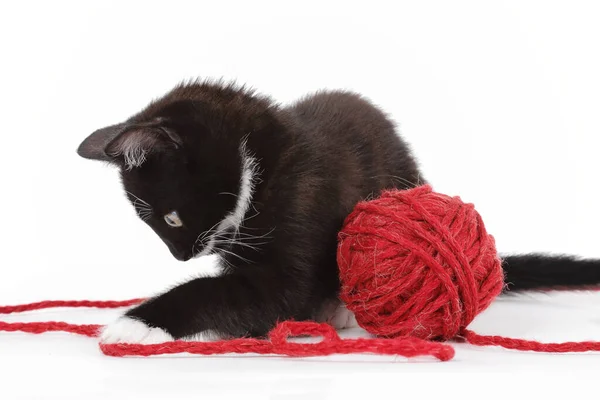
<point x="172" y="219"/>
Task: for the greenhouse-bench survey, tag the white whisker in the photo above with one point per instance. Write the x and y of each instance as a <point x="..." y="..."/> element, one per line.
<point x="235" y="243"/>
<point x="399" y="178"/>
<point x="230" y="194"/>
<point x="241" y="239"/>
<point x="206" y="232"/>
<point x="221" y="258"/>
<point x="138" y="199"/>
<point x="142" y="208"/>
<point x="235" y="255"/>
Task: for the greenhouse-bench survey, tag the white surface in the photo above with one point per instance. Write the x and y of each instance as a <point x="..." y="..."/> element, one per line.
<point x="500" y="103"/>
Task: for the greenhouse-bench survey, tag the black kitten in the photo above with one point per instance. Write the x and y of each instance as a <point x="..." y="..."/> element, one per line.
<point x="217" y="169"/>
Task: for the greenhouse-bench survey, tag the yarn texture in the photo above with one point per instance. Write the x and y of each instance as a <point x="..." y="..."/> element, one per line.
<point x="417" y="263"/>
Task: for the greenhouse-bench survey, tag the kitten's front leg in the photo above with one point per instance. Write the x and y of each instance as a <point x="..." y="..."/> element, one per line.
<point x="234" y="305"/>
<point x="130" y="330"/>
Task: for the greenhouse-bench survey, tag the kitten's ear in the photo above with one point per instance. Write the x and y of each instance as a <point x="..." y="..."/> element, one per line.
<point x="131" y="142"/>
<point x="94" y="146"/>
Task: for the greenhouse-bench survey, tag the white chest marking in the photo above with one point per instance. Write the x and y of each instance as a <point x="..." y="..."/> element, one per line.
<point x="244" y="198"/>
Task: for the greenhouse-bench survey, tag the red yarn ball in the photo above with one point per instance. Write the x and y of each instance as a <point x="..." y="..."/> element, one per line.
<point x="417" y="263"/>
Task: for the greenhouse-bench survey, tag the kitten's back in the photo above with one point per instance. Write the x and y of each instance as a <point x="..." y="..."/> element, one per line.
<point x="356" y="142"/>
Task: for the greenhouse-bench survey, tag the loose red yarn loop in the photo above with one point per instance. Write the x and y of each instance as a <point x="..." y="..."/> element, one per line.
<point x="282" y="331"/>
<point x="417" y="263"/>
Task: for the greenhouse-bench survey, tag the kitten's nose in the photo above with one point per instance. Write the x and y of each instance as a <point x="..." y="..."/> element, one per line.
<point x="181" y="255"/>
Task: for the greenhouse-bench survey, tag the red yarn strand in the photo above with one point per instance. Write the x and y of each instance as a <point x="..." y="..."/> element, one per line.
<point x="406" y="347"/>
<point x="70" y="304"/>
<point x="50" y="326"/>
<point x="277" y="343"/>
<point x="530" y="345"/>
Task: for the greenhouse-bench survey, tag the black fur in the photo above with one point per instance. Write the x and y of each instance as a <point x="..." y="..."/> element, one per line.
<point x="317" y="158"/>
<point x="539" y="271"/>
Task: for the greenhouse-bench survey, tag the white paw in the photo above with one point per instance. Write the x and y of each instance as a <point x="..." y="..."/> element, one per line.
<point x="343" y="318"/>
<point x="129" y="330"/>
<point x="337" y="315"/>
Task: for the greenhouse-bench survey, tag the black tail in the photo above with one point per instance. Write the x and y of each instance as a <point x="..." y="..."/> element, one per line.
<point x="540" y="271"/>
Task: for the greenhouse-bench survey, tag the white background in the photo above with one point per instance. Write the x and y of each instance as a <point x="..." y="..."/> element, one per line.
<point x="498" y="100"/>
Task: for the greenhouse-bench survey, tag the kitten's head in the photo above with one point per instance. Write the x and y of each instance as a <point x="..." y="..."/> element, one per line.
<point x="184" y="164"/>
